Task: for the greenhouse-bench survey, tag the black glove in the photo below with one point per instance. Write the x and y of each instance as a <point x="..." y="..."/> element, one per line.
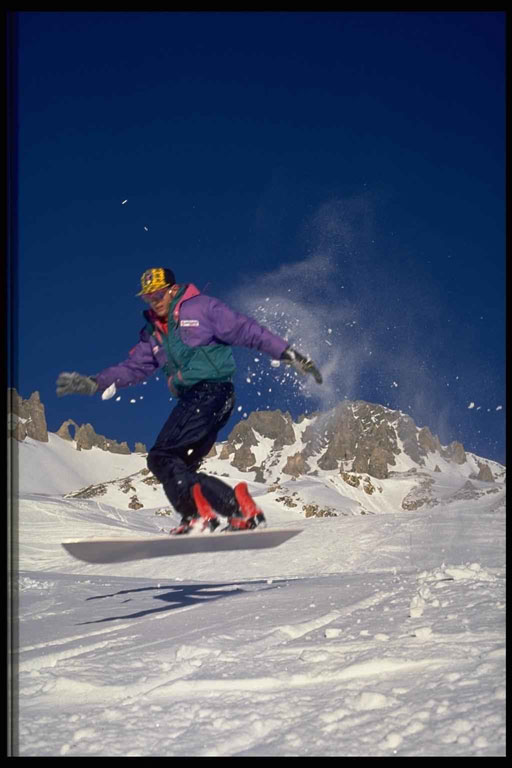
<point x="301" y="364"/>
<point x="75" y="384"/>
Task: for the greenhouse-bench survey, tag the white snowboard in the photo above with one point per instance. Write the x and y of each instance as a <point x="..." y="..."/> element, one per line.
<point x="121" y="550"/>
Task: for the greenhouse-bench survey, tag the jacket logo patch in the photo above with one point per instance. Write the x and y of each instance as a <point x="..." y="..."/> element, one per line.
<point x="189" y="323"/>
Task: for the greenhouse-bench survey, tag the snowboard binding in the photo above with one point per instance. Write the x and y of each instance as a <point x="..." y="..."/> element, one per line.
<point x="249" y="516"/>
<point x="204" y="520"/>
<point x="246" y="517"/>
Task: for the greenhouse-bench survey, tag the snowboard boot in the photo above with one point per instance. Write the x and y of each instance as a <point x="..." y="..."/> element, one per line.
<point x="208" y="516"/>
<point x="204" y="519"/>
<point x="186" y="525"/>
<point x="249" y="514"/>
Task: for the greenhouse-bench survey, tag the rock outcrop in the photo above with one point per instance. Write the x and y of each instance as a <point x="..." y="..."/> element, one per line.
<point x="296" y="465"/>
<point x="485" y="473"/>
<point x="26" y="418"/>
<point x="455" y="452"/>
<point x="63" y="430"/>
<point x="86" y="438"/>
<point x="275" y="425"/>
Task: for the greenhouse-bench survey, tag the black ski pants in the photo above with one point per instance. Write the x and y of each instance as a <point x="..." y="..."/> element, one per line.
<point x="185" y="439"/>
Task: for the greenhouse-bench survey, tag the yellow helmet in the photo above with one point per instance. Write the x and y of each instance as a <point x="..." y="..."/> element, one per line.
<point x="155" y="279"/>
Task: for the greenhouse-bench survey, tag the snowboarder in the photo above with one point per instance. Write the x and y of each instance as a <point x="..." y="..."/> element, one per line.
<point x="190" y="336"/>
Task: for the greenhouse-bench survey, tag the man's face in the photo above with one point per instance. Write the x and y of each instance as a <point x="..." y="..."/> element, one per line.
<point x="160" y="301"/>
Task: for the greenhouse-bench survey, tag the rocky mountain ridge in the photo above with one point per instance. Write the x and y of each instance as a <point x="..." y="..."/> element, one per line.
<point x="26" y="418"/>
<point x="354" y="437"/>
<point x="357" y="459"/>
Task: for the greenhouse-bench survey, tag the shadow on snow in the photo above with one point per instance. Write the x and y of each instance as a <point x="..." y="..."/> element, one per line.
<point x="183" y="596"/>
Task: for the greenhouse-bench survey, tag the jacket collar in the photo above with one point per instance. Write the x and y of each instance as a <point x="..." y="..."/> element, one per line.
<point x="187" y="291"/>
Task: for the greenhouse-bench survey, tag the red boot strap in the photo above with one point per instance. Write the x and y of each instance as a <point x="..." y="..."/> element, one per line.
<point x="245" y="501"/>
<point x="201" y="503"/>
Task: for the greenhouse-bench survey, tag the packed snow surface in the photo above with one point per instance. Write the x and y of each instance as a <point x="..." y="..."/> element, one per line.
<point x="375" y="635"/>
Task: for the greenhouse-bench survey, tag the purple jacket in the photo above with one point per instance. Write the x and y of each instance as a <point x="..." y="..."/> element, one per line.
<point x="202" y="321"/>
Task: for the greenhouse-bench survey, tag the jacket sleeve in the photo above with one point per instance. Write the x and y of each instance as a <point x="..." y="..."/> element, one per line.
<point x="239" y="330"/>
<point x="139" y="366"/>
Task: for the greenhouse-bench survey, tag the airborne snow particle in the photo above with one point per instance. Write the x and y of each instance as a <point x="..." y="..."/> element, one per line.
<point x="248" y="380"/>
<point x="147" y="230"/>
<point x="499" y="407"/>
<point x="118" y="399"/>
<point x="124" y="201"/>
<point x="471" y="405"/>
<point x="133" y="401"/>
<point x="239" y="408"/>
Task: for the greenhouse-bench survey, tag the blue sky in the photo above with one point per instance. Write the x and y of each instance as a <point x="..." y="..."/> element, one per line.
<point x="347" y="169"/>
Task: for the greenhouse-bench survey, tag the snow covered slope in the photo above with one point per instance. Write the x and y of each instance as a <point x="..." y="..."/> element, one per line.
<point x="366" y="635"/>
<point x="56" y="467"/>
<point x="126" y="483"/>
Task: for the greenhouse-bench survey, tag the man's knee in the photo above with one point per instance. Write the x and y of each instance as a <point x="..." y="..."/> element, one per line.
<point x="170" y="471"/>
<point x="156" y="464"/>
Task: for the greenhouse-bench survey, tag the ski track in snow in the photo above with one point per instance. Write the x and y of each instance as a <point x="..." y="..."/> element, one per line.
<point x="363" y="636"/>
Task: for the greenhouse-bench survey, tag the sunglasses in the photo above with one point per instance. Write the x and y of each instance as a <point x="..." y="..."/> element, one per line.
<point x="155" y="297"/>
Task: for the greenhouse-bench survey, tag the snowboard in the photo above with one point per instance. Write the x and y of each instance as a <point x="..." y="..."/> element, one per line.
<point x="122" y="550"/>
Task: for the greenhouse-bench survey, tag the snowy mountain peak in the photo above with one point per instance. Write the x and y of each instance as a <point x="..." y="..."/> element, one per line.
<point x="355" y="436"/>
<point x="357" y="459"/>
